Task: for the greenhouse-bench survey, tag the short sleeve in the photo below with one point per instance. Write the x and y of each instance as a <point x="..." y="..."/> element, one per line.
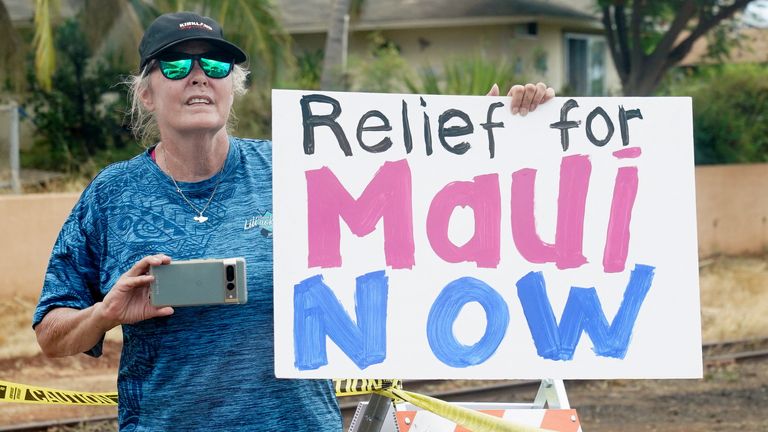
<point x="72" y="277"/>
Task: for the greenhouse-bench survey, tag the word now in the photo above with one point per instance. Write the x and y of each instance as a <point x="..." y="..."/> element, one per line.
<point x="318" y="315"/>
<point x="388" y="196"/>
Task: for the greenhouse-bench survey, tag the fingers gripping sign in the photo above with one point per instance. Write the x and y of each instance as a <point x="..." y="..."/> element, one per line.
<point x="526" y="98"/>
<point x="128" y="301"/>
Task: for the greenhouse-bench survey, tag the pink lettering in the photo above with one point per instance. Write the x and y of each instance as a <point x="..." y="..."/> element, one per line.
<point x="387" y="197"/>
<point x="482" y="195"/>
<point x="566" y="252"/>
<point x="617" y="236"/>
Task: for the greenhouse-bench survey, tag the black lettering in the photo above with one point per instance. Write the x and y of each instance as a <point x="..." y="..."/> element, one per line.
<point x="625" y="116"/>
<point x="427" y="129"/>
<point x="488" y="126"/>
<point x="407" y="129"/>
<point x="105" y="400"/>
<point x="564" y="124"/>
<point x="599" y="111"/>
<point x="311" y="121"/>
<point x="77" y="398"/>
<point x="35" y="395"/>
<point x="63" y="397"/>
<point x="454" y="131"/>
<point x="382" y="145"/>
<point x="93" y="399"/>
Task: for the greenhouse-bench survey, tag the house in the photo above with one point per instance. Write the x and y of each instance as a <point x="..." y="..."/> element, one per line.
<point x="556" y="41"/>
<point x="559" y="42"/>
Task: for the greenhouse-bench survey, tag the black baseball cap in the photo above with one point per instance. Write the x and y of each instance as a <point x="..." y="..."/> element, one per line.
<point x="173" y="28"/>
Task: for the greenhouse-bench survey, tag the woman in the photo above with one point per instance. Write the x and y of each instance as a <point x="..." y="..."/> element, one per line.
<point x="194" y="368"/>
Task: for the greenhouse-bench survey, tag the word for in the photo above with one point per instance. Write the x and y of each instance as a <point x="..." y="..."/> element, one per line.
<point x="318" y="315"/>
<point x="564" y="124"/>
<point x="388" y="197"/>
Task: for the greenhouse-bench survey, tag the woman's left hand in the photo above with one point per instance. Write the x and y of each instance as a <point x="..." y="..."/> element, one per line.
<point x="525" y="98"/>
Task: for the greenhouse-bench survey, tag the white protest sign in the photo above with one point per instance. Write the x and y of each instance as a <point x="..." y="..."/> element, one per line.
<point x="442" y="237"/>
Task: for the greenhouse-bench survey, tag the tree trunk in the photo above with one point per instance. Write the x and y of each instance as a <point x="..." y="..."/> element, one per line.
<point x="640" y="85"/>
<point x="332" y="77"/>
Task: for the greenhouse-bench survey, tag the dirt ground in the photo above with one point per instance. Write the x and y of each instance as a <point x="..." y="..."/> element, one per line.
<point x="731" y="397"/>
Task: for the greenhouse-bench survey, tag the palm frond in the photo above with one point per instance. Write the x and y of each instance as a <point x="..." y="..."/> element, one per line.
<point x="45" y="53"/>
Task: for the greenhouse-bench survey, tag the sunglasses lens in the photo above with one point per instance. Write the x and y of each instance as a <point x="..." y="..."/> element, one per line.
<point x="176" y="69"/>
<point x="215" y="68"/>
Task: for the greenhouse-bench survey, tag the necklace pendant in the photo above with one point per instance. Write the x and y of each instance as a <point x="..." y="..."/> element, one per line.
<point x="200" y="218"/>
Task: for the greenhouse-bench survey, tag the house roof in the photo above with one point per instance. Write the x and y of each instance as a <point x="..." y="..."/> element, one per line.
<point x="312" y="16"/>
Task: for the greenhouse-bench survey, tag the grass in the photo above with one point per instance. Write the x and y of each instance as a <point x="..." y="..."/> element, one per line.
<point x="734" y="298"/>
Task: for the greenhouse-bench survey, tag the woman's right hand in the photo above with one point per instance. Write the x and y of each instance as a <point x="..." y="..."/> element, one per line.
<point x="128" y="301"/>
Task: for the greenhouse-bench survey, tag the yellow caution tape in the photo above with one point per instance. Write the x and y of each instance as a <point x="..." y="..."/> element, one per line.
<point x="475" y="421"/>
<point x="351" y="387"/>
<point x="12" y="392"/>
<point x="469" y="419"/>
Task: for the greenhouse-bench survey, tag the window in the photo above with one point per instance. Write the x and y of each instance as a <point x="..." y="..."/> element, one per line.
<point x="528" y="29"/>
<point x="585" y="64"/>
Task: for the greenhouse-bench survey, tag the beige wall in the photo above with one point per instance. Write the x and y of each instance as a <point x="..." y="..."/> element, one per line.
<point x="29" y="225"/>
<point x="732" y="206"/>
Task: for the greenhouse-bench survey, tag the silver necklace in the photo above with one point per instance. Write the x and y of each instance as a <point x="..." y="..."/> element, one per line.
<point x="199" y="218"/>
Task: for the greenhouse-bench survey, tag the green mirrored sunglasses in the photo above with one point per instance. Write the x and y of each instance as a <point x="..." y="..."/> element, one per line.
<point x="176" y="66"/>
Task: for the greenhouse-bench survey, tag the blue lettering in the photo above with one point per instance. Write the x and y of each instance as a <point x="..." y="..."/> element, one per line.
<point x="582" y="312"/>
<point x="446" y="309"/>
<point x="317" y="313"/>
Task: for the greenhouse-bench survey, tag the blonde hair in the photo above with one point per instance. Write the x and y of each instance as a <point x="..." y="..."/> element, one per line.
<point x="144" y="123"/>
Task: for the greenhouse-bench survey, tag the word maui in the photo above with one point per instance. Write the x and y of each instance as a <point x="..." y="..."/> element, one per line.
<point x="388" y="196"/>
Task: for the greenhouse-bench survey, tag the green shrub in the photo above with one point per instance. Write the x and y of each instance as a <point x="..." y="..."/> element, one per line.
<point x="79" y="123"/>
<point x="465" y="76"/>
<point x="730" y="113"/>
<point x="253" y="112"/>
<point x="381" y="70"/>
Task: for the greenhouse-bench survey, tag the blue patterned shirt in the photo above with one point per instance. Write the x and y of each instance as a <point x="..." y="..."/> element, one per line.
<point x="202" y="368"/>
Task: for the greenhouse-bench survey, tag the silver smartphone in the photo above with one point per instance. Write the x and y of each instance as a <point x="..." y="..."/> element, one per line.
<point x="199" y="282"/>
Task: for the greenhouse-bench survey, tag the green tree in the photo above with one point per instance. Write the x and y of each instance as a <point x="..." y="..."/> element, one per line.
<point x="730" y="105"/>
<point x="648" y="37"/>
<point x="108" y="24"/>
<point x="465" y="76"/>
<point x="79" y="120"/>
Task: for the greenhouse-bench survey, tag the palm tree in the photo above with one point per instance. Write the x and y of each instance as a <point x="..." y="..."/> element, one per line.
<point x="335" y="46"/>
<point x="116" y="26"/>
<point x="332" y="77"/>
